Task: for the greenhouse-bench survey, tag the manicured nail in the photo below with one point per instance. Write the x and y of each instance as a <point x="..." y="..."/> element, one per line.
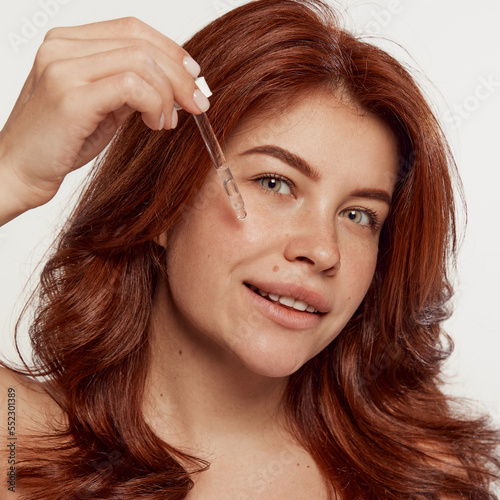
<point x="201" y="101"/>
<point x="162" y="122"/>
<point x="191" y="66"/>
<point x="175" y="118"/>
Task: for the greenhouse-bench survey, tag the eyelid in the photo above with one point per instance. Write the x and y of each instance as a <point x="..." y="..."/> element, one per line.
<point x="375" y="222"/>
<point x="271" y="175"/>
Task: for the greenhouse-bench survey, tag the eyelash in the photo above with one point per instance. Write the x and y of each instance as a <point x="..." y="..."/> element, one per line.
<point x="374" y="218"/>
<point x="278" y="177"/>
<point x="375" y="222"/>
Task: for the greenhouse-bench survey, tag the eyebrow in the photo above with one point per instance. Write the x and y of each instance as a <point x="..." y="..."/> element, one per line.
<point x="373" y="194"/>
<point x="295" y="161"/>
<point x="287" y="157"/>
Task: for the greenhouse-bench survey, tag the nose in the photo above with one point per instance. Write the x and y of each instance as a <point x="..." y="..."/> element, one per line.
<point x="315" y="244"/>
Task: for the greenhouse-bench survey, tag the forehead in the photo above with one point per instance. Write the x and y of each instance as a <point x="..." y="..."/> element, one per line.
<point x="330" y="133"/>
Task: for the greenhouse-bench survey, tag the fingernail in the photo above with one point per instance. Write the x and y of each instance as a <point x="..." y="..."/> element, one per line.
<point x="191" y="66"/>
<point x="162" y="122"/>
<point x="201" y="101"/>
<point x="175" y="118"/>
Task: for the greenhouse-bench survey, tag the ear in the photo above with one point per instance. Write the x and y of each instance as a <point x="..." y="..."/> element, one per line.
<point x="162" y="240"/>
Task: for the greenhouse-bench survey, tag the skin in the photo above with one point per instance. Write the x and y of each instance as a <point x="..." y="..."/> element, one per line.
<point x="86" y="80"/>
<point x="229" y="355"/>
<point x="303" y="236"/>
<point x="227" y="351"/>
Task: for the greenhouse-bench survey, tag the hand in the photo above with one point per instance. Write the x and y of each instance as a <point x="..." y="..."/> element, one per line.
<point x="85" y="82"/>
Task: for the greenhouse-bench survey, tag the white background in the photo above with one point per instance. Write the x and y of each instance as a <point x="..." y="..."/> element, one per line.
<point x="455" y="44"/>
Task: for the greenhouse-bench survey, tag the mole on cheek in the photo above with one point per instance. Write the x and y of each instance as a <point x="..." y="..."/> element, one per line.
<point x="276" y="269"/>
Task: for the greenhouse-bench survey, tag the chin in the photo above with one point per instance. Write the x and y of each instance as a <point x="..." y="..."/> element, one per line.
<point x="273" y="370"/>
<point x="273" y="363"/>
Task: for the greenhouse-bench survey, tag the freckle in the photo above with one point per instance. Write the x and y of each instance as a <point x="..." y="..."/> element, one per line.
<point x="276" y="269"/>
<point x="298" y="465"/>
<point x="308" y="466"/>
<point x="161" y="395"/>
<point x="180" y="351"/>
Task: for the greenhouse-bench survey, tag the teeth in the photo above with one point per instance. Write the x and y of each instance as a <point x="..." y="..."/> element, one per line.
<point x="302" y="306"/>
<point x="297" y="304"/>
<point x="286" y="301"/>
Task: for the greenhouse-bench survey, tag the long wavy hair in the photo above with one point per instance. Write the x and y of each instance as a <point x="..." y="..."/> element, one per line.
<point x="369" y="408"/>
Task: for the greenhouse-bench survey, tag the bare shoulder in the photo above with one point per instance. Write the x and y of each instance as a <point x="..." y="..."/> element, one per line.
<point x="25" y="409"/>
<point x="28" y="399"/>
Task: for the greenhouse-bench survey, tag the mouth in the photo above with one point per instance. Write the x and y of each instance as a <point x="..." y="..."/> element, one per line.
<point x="285" y="301"/>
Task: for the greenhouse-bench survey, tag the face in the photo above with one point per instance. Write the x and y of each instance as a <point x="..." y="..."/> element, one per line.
<point x="275" y="289"/>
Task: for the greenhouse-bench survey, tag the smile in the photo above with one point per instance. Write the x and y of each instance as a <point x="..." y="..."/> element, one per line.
<point x="291" y="302"/>
<point x="290" y="305"/>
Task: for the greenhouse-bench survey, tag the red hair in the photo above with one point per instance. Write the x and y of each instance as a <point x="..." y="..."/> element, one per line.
<point x="369" y="408"/>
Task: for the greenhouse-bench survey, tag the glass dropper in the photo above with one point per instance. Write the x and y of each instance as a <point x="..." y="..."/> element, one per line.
<point x="221" y="165"/>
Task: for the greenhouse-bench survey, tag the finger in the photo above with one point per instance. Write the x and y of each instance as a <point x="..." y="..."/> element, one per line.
<point x="54" y="49"/>
<point x="160" y="71"/>
<point x="110" y="95"/>
<point x="127" y="27"/>
<point x="102" y="135"/>
<point x="170" y="79"/>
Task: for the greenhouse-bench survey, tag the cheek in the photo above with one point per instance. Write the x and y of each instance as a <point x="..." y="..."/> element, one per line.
<point x="215" y="227"/>
<point x="193" y="277"/>
<point x="358" y="265"/>
<point x="205" y="248"/>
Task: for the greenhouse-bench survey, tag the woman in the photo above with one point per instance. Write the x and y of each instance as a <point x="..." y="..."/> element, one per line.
<point x="182" y="353"/>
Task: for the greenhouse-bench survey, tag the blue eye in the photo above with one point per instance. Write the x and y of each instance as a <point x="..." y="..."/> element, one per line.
<point x="275" y="184"/>
<point x="358" y="216"/>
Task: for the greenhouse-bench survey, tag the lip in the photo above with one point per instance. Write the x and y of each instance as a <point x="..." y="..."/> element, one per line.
<point x="308" y="295"/>
<point x="287" y="318"/>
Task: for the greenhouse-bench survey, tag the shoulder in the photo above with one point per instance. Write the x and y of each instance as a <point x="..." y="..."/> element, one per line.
<point x="26" y="397"/>
<point x="25" y="402"/>
<point x="25" y="410"/>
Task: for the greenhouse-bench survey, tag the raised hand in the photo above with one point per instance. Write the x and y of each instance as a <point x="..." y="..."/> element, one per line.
<point x="85" y="82"/>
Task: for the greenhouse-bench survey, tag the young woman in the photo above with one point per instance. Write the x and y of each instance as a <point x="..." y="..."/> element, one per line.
<point x="182" y="353"/>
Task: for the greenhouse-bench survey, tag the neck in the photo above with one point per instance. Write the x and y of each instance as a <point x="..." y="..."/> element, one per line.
<point x="200" y="392"/>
